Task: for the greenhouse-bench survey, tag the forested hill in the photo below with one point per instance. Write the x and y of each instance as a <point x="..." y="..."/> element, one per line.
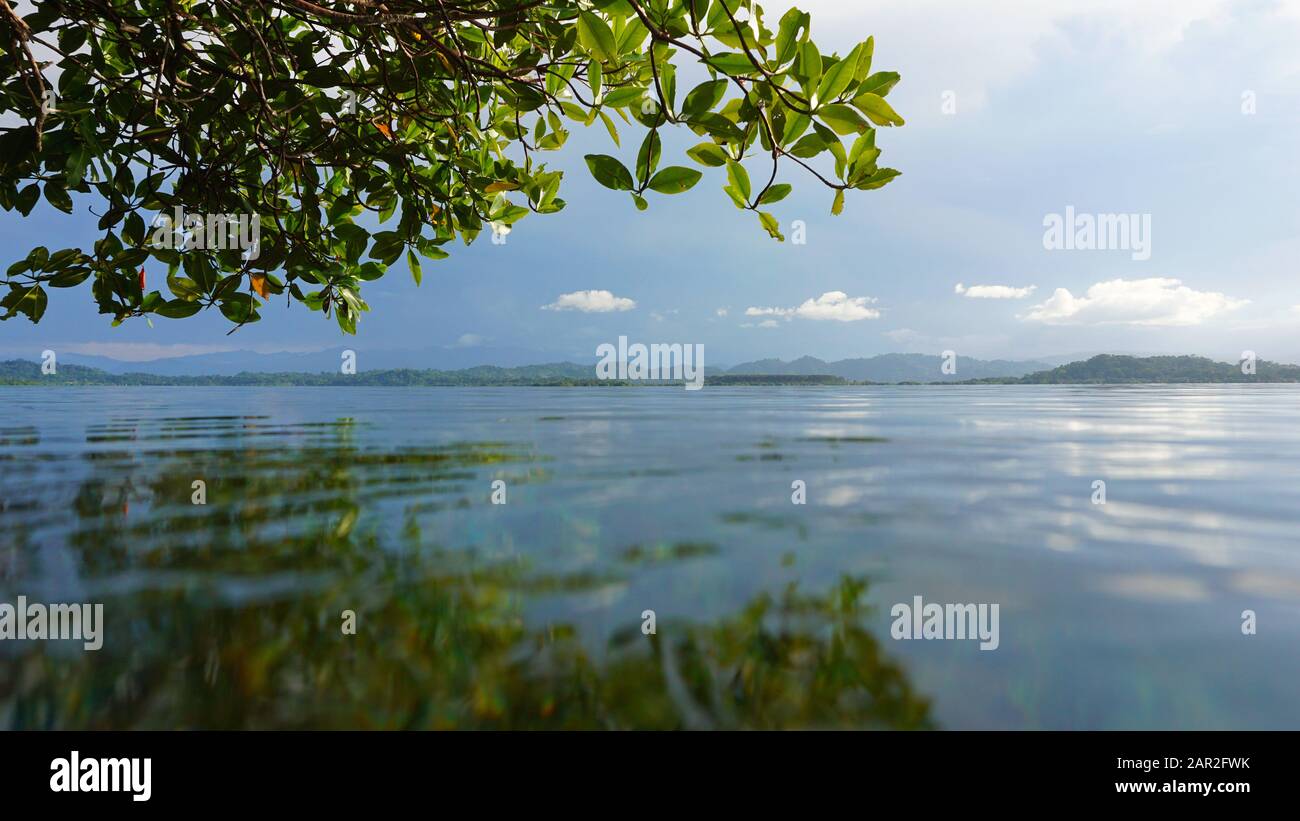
<point x="1107" y="369"/>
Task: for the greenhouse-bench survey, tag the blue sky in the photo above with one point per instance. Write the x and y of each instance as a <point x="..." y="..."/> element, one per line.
<point x="1105" y="106"/>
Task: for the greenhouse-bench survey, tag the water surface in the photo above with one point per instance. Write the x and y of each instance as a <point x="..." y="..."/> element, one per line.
<point x="1126" y="614"/>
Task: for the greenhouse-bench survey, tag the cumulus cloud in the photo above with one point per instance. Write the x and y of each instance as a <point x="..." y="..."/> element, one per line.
<point x="994" y="291"/>
<point x="1154" y="301"/>
<point x="835" y="305"/>
<point x="590" y="302"/>
<point x="469" y="341"/>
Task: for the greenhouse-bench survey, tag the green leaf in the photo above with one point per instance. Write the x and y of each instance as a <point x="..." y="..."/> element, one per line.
<point x="776" y="193"/>
<point x="25" y="299"/>
<point x="595" y="36"/>
<point x="770" y="225"/>
<point x="709" y="154"/>
<point x="621" y="97"/>
<point x="347" y="320"/>
<point x="879" y="111"/>
<point x="69" y="278"/>
<point x="57" y="196"/>
<point x="731" y="63"/>
<point x="864" y="51"/>
<point x="178" y="309"/>
<point x="632" y="36"/>
<point x="788" y="35"/>
<point x="674" y="179"/>
<point x="810" y="64"/>
<point x="703" y="97"/>
<point x="835" y="80"/>
<point x="880" y="179"/>
<point x="354" y="239"/>
<point x="879" y="83"/>
<point x="810" y="145"/>
<point x="238" y="308"/>
<point x="576" y="112"/>
<point x="843" y="120"/>
<point x="795" y="125"/>
<point x="609" y="126"/>
<point x="647" y="159"/>
<point x="866" y="144"/>
<point x="413" y="262"/>
<point x="183" y="287"/>
<point x="609" y="172"/>
<point x="837" y="205"/>
<point x="718" y="126"/>
<point x="739" y="178"/>
<point x="429" y="250"/>
<point x="27" y="198"/>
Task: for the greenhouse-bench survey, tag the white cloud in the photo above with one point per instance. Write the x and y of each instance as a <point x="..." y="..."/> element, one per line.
<point x="903" y="335"/>
<point x="1154" y="301"/>
<point x="835" y="305"/>
<point x="984" y="46"/>
<point x="721" y="312"/>
<point x="590" y="302"/>
<point x="994" y="291"/>
<point x="469" y="341"/>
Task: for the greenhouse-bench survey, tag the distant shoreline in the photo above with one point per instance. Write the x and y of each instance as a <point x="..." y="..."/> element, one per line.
<point x="1099" y="370"/>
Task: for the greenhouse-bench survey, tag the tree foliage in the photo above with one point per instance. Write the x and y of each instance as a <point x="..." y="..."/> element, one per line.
<point x="426" y="121"/>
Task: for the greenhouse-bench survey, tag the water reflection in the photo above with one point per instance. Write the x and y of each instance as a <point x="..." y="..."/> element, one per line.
<point x="228" y="614"/>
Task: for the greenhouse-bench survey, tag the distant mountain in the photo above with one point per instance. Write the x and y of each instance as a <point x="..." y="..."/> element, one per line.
<point x="226" y="363"/>
<point x="1112" y="370"/>
<point x="230" y="363"/>
<point x="894" y="367"/>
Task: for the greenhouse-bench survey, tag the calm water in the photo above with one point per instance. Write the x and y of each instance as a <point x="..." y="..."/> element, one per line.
<point x="768" y="614"/>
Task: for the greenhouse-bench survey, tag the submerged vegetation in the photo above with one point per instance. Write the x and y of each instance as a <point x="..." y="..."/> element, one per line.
<point x="229" y="615"/>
